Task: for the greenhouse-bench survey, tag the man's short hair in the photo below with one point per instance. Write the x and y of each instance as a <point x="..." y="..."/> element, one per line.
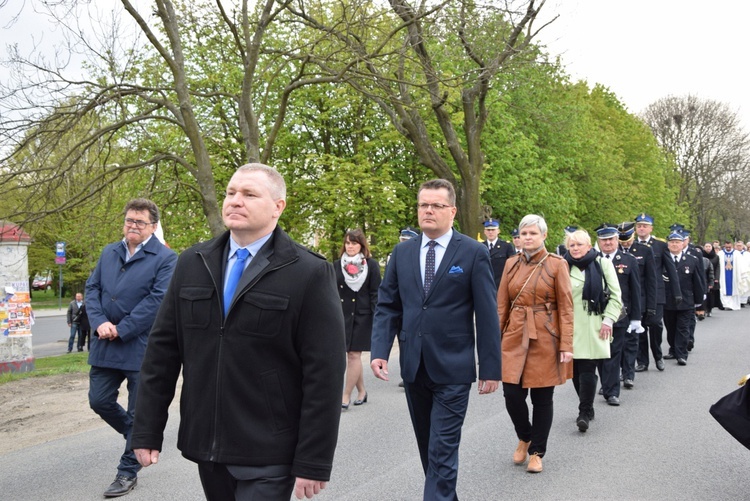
<point x="276" y="184"/>
<point x="437" y="184"/>
<point x="141" y="204"/>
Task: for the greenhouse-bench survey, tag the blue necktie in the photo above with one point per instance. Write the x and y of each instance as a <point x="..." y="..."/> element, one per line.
<point x="234" y="277"/>
<point x="429" y="266"/>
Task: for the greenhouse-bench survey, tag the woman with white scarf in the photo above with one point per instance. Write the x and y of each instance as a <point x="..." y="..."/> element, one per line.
<point x="358" y="277"/>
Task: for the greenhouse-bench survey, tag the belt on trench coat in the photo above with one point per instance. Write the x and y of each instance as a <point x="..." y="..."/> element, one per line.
<point x="529" y="326"/>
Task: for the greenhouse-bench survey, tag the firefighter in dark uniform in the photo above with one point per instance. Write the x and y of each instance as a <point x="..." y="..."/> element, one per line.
<point x="516" y="236"/>
<point x="652" y="335"/>
<point x="500" y="250"/>
<point x="647" y="277"/>
<point x="626" y="329"/>
<point x="688" y="247"/>
<point x="679" y="309"/>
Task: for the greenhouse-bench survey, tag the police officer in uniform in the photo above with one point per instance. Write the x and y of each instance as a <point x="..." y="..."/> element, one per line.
<point x="652" y="335"/>
<point x="626" y="329"/>
<point x="500" y="250"/>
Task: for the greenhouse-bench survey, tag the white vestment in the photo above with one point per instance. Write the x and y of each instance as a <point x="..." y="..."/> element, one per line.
<point x="737" y="263"/>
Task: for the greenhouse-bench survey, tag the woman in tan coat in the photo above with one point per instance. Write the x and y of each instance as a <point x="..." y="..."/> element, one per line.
<point x="535" y="306"/>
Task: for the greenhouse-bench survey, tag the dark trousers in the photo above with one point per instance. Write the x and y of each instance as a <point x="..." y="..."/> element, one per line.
<point x="609" y="368"/>
<point x="437" y="414"/>
<point x="83" y="337"/>
<point x="584" y="382"/>
<point x="691" y="327"/>
<point x="246" y="483"/>
<point x="714" y="298"/>
<point x="677" y="323"/>
<point x="536" y="431"/>
<point x="629" y="353"/>
<point x="104" y="386"/>
<point x="651" y="337"/>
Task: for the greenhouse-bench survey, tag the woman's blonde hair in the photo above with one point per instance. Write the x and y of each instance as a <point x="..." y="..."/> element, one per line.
<point x="580" y="236"/>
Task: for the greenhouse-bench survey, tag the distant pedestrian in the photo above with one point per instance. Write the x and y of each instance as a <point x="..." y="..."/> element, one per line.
<point x="75" y="308"/>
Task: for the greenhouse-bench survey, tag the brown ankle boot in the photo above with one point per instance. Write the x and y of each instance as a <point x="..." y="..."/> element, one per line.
<point x="519" y="457"/>
<point x="535" y="464"/>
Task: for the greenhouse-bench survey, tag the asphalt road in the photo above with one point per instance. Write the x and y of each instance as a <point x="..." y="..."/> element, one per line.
<point x="50" y="332"/>
<point x="660" y="444"/>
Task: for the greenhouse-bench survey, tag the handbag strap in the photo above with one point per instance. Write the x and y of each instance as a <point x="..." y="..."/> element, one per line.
<point x="539" y="264"/>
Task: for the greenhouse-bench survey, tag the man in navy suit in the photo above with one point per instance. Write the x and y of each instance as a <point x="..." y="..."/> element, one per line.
<point x="434" y="286"/>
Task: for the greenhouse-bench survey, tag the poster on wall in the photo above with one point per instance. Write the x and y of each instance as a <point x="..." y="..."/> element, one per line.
<point x="16" y="318"/>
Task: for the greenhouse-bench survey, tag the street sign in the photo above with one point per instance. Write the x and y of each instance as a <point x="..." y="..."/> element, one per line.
<point x="60" y="253"/>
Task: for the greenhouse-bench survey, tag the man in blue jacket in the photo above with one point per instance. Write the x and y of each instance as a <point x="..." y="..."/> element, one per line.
<point x="123" y="295"/>
<point x="434" y="287"/>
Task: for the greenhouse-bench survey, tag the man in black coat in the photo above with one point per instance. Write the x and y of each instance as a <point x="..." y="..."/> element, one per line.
<point x="647" y="277"/>
<point x="626" y="329"/>
<point x="678" y="310"/>
<point x="254" y="322"/>
<point x="500" y="250"/>
<point x="652" y="335"/>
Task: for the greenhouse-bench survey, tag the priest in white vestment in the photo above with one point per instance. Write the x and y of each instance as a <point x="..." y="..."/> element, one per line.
<point x="734" y="275"/>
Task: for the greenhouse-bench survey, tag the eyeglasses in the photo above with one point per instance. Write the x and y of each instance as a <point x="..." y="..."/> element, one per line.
<point x="137" y="223"/>
<point x="432" y="206"/>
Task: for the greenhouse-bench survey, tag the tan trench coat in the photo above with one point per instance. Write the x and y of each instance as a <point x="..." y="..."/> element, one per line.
<point x="540" y="324"/>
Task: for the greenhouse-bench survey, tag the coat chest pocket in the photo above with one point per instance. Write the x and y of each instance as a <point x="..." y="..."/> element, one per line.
<point x="262" y="314"/>
<point x="195" y="306"/>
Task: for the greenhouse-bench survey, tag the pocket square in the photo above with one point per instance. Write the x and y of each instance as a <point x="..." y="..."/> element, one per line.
<point x="456" y="269"/>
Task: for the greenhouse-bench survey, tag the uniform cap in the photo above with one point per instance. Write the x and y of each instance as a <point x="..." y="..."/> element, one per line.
<point x="644" y="218"/>
<point x="409" y="232"/>
<point x="606" y="230"/>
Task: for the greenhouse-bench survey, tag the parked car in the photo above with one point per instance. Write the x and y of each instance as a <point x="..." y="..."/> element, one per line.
<point x="41" y="283"/>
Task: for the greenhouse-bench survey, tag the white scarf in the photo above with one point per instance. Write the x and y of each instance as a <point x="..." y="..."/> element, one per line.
<point x="355" y="270"/>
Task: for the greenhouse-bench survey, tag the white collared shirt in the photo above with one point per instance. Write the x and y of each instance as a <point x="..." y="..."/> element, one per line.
<point x="442" y="244"/>
<point x="138" y="247"/>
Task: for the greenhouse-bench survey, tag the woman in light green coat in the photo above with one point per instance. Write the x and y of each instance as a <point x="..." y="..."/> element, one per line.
<point x="593" y="316"/>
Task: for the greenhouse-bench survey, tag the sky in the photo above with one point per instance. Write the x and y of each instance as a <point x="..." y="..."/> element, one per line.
<point x="644" y="50"/>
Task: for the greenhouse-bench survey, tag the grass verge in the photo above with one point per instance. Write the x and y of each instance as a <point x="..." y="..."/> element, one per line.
<point x="49" y="366"/>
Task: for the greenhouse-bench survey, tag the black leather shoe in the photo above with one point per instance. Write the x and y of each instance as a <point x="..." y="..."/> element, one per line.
<point x="582" y="422"/>
<point x="401" y="384"/>
<point x="613" y="400"/>
<point x="601" y="391"/>
<point x="628" y="383"/>
<point x="681" y="361"/>
<point x="690" y="346"/>
<point x="120" y="487"/>
<point x="669" y="356"/>
<point x="642" y="368"/>
<point x="361" y="401"/>
<point x="660" y="364"/>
